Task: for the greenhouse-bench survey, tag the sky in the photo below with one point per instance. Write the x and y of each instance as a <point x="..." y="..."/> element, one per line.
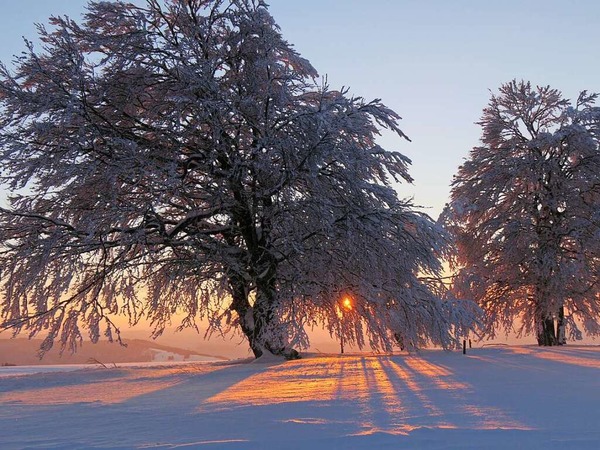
<point x="433" y="62"/>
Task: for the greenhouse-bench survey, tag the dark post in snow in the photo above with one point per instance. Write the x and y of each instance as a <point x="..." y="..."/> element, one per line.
<point x="464" y="346"/>
<point x="345" y="305"/>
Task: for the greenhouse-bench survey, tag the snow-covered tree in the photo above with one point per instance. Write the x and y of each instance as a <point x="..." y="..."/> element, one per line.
<point x="525" y="211"/>
<point x="182" y="159"/>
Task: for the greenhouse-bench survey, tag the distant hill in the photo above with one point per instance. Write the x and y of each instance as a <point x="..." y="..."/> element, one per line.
<point x="25" y="352"/>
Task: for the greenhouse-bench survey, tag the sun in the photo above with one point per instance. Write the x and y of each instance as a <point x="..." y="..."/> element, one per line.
<point x="347" y="303"/>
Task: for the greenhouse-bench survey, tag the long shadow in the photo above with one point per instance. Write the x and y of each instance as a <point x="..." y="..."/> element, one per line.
<point x="340" y="384"/>
<point x="386" y="410"/>
<point x="417" y="404"/>
<point x="447" y="402"/>
<point x="196" y="389"/>
<point x="149" y="417"/>
<point x="509" y="357"/>
<point x="59" y="379"/>
<point x="571" y="356"/>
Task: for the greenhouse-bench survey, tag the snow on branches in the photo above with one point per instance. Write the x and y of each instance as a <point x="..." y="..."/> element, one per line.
<point x="525" y="213"/>
<point x="182" y="159"/>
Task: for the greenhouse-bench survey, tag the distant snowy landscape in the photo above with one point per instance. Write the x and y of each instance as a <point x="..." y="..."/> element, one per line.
<point x="493" y="397"/>
<point x="25" y="352"/>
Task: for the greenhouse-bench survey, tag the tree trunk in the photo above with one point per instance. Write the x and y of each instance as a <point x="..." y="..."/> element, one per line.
<point x="561" y="335"/>
<point x="546" y="335"/>
<point x="258" y="322"/>
<point x="268" y="335"/>
<point x="241" y="305"/>
<point x="264" y="337"/>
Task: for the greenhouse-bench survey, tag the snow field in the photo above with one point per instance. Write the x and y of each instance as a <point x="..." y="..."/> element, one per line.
<point x="498" y="398"/>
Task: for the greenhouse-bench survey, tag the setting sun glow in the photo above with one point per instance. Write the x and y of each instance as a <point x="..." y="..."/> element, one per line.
<point x="347" y="303"/>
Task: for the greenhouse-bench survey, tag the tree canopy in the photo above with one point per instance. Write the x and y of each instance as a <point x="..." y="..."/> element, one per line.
<point x="183" y="158"/>
<point x="525" y="212"/>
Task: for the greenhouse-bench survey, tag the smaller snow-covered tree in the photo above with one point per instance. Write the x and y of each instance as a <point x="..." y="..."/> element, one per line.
<point x="525" y="212"/>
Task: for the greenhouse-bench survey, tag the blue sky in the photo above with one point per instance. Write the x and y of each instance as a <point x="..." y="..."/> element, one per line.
<point x="433" y="62"/>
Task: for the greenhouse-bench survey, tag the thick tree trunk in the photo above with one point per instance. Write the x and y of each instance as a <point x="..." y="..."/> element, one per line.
<point x="264" y="336"/>
<point x="258" y="322"/>
<point x="546" y="332"/>
<point x="268" y="336"/>
<point x="241" y="305"/>
<point x="261" y="330"/>
<point x="546" y="335"/>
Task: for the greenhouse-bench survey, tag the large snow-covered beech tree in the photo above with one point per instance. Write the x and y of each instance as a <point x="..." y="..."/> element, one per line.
<point x="525" y="211"/>
<point x="182" y="160"/>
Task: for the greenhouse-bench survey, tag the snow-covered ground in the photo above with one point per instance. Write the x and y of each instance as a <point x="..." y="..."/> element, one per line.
<point x="492" y="398"/>
<point x="13" y="371"/>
